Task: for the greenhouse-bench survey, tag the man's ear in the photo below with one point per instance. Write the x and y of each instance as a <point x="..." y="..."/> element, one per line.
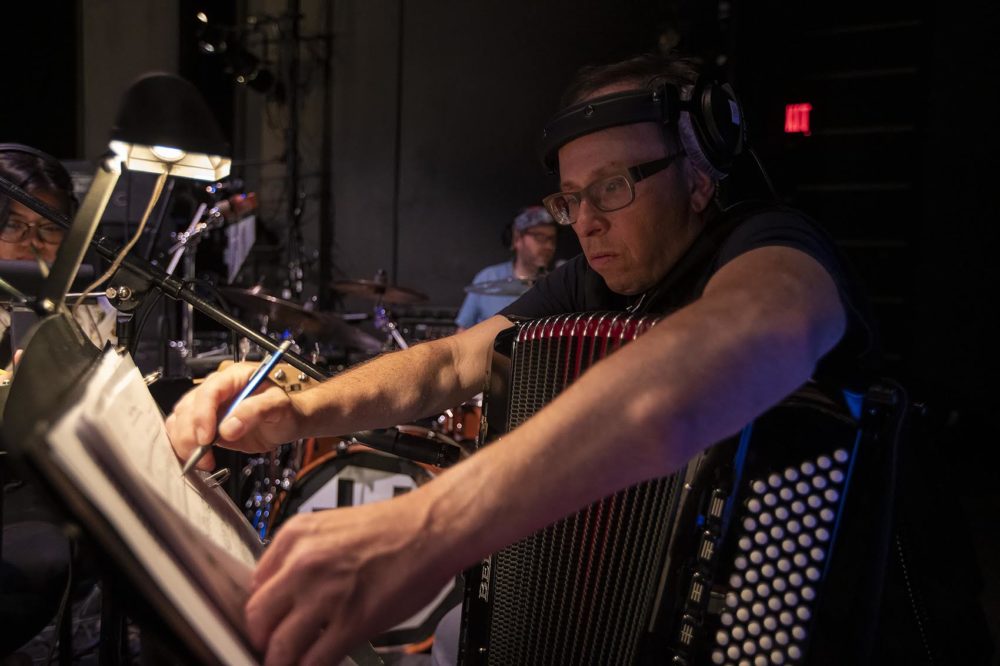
<point x="701" y="188"/>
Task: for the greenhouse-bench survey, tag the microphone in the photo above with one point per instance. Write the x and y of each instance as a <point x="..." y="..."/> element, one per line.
<point x="418" y="449"/>
<point x="234" y="208"/>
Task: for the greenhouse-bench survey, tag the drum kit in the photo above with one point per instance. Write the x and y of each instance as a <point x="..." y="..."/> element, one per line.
<point x="326" y="329"/>
<point x="316" y="474"/>
<point x="326" y="473"/>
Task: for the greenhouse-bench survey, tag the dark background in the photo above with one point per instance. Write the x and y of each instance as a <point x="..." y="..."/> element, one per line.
<point x="419" y="122"/>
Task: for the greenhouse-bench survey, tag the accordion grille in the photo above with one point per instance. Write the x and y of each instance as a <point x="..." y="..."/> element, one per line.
<point x="582" y="590"/>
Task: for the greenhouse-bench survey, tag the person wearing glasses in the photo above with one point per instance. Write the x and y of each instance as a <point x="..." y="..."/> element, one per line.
<point x="35" y="562"/>
<point x="754" y="302"/>
<point x="533" y="242"/>
<point x="27" y="236"/>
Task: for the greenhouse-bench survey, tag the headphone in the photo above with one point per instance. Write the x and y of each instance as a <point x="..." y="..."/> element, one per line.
<point x="708" y="117"/>
<point x="53" y="165"/>
<point x="28" y="150"/>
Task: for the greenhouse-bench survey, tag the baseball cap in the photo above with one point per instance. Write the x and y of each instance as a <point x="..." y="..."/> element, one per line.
<point x="532" y="216"/>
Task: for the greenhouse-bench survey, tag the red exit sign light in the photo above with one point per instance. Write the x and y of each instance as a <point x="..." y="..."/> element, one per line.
<point x="797" y="118"/>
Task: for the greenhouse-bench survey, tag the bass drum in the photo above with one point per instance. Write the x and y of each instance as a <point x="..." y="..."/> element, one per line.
<point x="362" y="476"/>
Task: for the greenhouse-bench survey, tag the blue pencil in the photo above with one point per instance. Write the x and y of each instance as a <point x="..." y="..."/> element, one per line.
<point x="258" y="376"/>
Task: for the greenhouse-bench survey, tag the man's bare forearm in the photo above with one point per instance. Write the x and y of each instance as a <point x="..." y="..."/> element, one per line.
<point x="400" y="387"/>
<point x="694" y="379"/>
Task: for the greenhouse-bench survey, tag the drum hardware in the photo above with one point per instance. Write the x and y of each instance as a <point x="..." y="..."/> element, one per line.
<point x="383" y="293"/>
<point x="461" y="424"/>
<point x="510" y="286"/>
<point x="186" y="243"/>
<point x="273" y="474"/>
<point x="384" y="323"/>
<point x="206" y="219"/>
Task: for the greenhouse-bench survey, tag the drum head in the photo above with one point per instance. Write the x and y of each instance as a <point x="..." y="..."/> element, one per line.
<point x="350" y="479"/>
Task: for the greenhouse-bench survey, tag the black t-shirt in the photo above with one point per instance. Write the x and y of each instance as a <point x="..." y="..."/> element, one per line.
<point x="575" y="287"/>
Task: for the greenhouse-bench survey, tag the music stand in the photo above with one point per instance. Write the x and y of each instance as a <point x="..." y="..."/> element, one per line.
<point x="28" y="278"/>
<point x="51" y="377"/>
<point x="56" y="371"/>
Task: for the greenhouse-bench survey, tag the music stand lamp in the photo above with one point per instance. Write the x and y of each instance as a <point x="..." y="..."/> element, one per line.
<point x="162" y="124"/>
<point x="162" y="127"/>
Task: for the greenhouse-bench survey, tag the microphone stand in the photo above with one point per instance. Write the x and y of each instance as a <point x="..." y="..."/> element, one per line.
<point x="137" y="276"/>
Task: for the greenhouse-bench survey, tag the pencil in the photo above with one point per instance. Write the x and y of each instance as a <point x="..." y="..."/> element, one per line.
<point x="256" y="378"/>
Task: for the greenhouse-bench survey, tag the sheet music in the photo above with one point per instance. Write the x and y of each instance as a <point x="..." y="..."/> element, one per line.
<point x="206" y="585"/>
<point x="194" y="544"/>
<point x="240" y="237"/>
<point x="129" y="419"/>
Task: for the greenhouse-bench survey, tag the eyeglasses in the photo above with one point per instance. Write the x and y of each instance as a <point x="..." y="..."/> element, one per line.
<point x="608" y="194"/>
<point x="15" y="232"/>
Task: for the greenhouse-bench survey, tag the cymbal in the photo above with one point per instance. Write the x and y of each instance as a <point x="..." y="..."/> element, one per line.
<point x="378" y="291"/>
<point x="337" y="329"/>
<point x="510" y="286"/>
<point x="286" y="314"/>
<point x="255" y="301"/>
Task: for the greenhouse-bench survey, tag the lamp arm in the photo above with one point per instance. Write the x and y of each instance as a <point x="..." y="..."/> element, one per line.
<point x="158" y="278"/>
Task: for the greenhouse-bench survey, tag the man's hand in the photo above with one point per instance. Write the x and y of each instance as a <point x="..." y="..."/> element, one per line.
<point x="262" y="421"/>
<point x="332" y="579"/>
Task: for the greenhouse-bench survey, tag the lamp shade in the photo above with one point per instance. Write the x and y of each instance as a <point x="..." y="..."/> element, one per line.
<point x="164" y="123"/>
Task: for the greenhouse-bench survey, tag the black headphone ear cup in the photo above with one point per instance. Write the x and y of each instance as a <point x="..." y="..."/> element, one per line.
<point x="712" y="128"/>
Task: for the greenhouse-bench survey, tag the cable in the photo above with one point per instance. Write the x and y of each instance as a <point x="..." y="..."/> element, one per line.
<point x="763" y="173"/>
<point x="157" y="189"/>
<point x="142" y="321"/>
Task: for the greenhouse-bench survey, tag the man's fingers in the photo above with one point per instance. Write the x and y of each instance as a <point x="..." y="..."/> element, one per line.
<point x="270" y="562"/>
<point x="182" y="434"/>
<point x="251" y="413"/>
<point x="294" y="635"/>
<point x="268" y="603"/>
<point x="195" y="417"/>
<point x="213" y="399"/>
<point x="329" y="648"/>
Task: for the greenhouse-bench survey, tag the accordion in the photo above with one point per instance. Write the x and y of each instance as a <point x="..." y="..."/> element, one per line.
<point x="735" y="559"/>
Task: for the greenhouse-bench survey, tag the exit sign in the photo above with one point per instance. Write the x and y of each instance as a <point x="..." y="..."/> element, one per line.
<point x="797" y="118"/>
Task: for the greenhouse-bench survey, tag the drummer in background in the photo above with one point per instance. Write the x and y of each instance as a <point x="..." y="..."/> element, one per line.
<point x="27" y="236"/>
<point x="533" y="241"/>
